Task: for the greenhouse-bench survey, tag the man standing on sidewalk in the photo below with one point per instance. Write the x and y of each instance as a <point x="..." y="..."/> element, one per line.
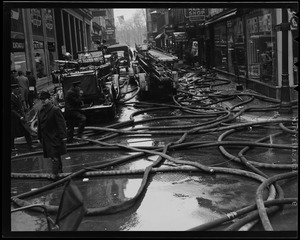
<point x="52" y="132"/>
<point x="32" y="88"/>
<point x="13" y="77"/>
<point x="24" y="87"/>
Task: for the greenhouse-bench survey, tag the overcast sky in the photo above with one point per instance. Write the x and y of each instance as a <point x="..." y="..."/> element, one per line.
<point x="126" y="12"/>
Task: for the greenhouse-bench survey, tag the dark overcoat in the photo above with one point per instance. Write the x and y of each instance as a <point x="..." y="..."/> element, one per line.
<point x="73" y="99"/>
<point x="18" y="126"/>
<point x="52" y="130"/>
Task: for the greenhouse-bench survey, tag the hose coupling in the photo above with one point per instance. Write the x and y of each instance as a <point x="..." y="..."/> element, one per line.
<point x="231" y="215"/>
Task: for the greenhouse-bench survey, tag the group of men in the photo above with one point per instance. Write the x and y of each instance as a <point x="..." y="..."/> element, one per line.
<point x="27" y="85"/>
<point x="54" y="128"/>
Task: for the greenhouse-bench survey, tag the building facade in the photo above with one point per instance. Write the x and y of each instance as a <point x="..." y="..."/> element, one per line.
<point x="39" y="36"/>
<point x="244" y="44"/>
<point x="103" y="26"/>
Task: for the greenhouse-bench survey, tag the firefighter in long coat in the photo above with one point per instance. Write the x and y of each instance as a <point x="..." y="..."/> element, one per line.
<point x="52" y="132"/>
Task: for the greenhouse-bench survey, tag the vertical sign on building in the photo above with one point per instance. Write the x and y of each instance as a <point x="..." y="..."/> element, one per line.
<point x="49" y="26"/>
<point x="36" y="21"/>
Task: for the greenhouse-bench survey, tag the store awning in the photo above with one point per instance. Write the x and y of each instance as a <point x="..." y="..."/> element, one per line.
<point x="159" y="36"/>
<point x="221" y="18"/>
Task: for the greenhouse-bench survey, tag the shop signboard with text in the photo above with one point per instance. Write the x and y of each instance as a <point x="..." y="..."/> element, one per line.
<point x="195" y="14"/>
<point x="17" y="45"/>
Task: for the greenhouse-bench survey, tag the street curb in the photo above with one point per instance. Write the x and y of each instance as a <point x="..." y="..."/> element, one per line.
<point x="257" y="116"/>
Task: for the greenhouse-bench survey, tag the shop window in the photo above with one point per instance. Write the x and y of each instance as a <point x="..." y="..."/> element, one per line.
<point x="36" y="21"/>
<point x="78" y="35"/>
<point x="67" y="31"/>
<point x="236" y="47"/>
<point x="221" y="58"/>
<point x="81" y="34"/>
<point x="39" y="58"/>
<point x="88" y="35"/>
<point x="261" y="46"/>
<point x="73" y="36"/>
<point x="18" y="60"/>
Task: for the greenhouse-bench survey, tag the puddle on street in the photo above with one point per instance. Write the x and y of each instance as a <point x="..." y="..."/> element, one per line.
<point x="172" y="201"/>
<point x="176" y="202"/>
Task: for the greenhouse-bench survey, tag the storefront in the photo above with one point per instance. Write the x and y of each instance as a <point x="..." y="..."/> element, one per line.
<point x="261" y="46"/>
<point x="18" y="50"/>
<point x="247" y="45"/>
<point x="43" y="40"/>
<point x="180" y="43"/>
<point x="74" y="31"/>
<point x="33" y="44"/>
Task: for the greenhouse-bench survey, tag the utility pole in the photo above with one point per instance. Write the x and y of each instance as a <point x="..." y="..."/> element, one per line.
<point x="285" y="103"/>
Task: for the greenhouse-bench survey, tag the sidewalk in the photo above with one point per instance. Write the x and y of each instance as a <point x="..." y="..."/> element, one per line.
<point x="253" y="116"/>
<point x="231" y="89"/>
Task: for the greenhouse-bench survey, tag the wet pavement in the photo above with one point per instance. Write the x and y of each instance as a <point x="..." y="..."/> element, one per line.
<point x="173" y="200"/>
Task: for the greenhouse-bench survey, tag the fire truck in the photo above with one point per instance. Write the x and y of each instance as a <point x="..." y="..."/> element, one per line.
<point x="95" y="75"/>
<point x="153" y="68"/>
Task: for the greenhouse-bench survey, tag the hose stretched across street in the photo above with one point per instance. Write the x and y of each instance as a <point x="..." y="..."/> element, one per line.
<point x="195" y="120"/>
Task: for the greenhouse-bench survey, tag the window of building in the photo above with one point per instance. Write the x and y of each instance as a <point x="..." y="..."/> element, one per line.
<point x="236" y="47"/>
<point x="16" y="20"/>
<point x="88" y="35"/>
<point x="261" y="45"/>
<point x="73" y="36"/>
<point x="18" y="60"/>
<point x="78" y="35"/>
<point x="36" y="21"/>
<point x="49" y="24"/>
<point x="81" y="34"/>
<point x="18" y="56"/>
<point x="67" y="32"/>
<point x="221" y="52"/>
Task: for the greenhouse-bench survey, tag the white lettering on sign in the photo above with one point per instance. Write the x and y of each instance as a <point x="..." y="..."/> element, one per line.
<point x="194" y="12"/>
<point x="18" y="45"/>
<point x="36" y="17"/>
